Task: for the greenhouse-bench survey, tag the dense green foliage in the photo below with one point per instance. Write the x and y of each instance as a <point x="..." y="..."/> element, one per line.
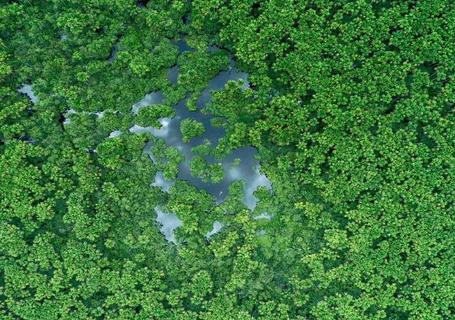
<point x="351" y="108"/>
<point x="191" y="128"/>
<point x="149" y="116"/>
<point x="207" y="172"/>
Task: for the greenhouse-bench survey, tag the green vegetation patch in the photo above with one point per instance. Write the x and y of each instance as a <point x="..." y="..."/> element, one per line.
<point x="148" y="116"/>
<point x="191" y="128"/>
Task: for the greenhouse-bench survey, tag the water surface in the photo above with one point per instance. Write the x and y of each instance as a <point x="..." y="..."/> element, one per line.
<point x="28" y="90"/>
<point x="246" y="170"/>
<point x="169" y="222"/>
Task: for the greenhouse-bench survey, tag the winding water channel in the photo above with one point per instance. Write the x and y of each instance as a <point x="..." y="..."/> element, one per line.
<point x="247" y="170"/>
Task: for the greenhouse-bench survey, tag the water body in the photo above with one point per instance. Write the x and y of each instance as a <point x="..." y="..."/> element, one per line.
<point x="114" y="134"/>
<point x="217" y="226"/>
<point x="147" y="150"/>
<point x="28" y="90"/>
<point x="172" y="75"/>
<point x="247" y="170"/>
<point x="162" y="183"/>
<point x="67" y="116"/>
<point x="149" y="99"/>
<point x="183" y="46"/>
<point x="169" y="222"/>
<point x="113" y="53"/>
<point x="218" y="83"/>
<point x="98" y="114"/>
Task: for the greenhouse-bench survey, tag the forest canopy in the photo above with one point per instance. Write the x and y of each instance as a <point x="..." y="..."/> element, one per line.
<point x="349" y="105"/>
